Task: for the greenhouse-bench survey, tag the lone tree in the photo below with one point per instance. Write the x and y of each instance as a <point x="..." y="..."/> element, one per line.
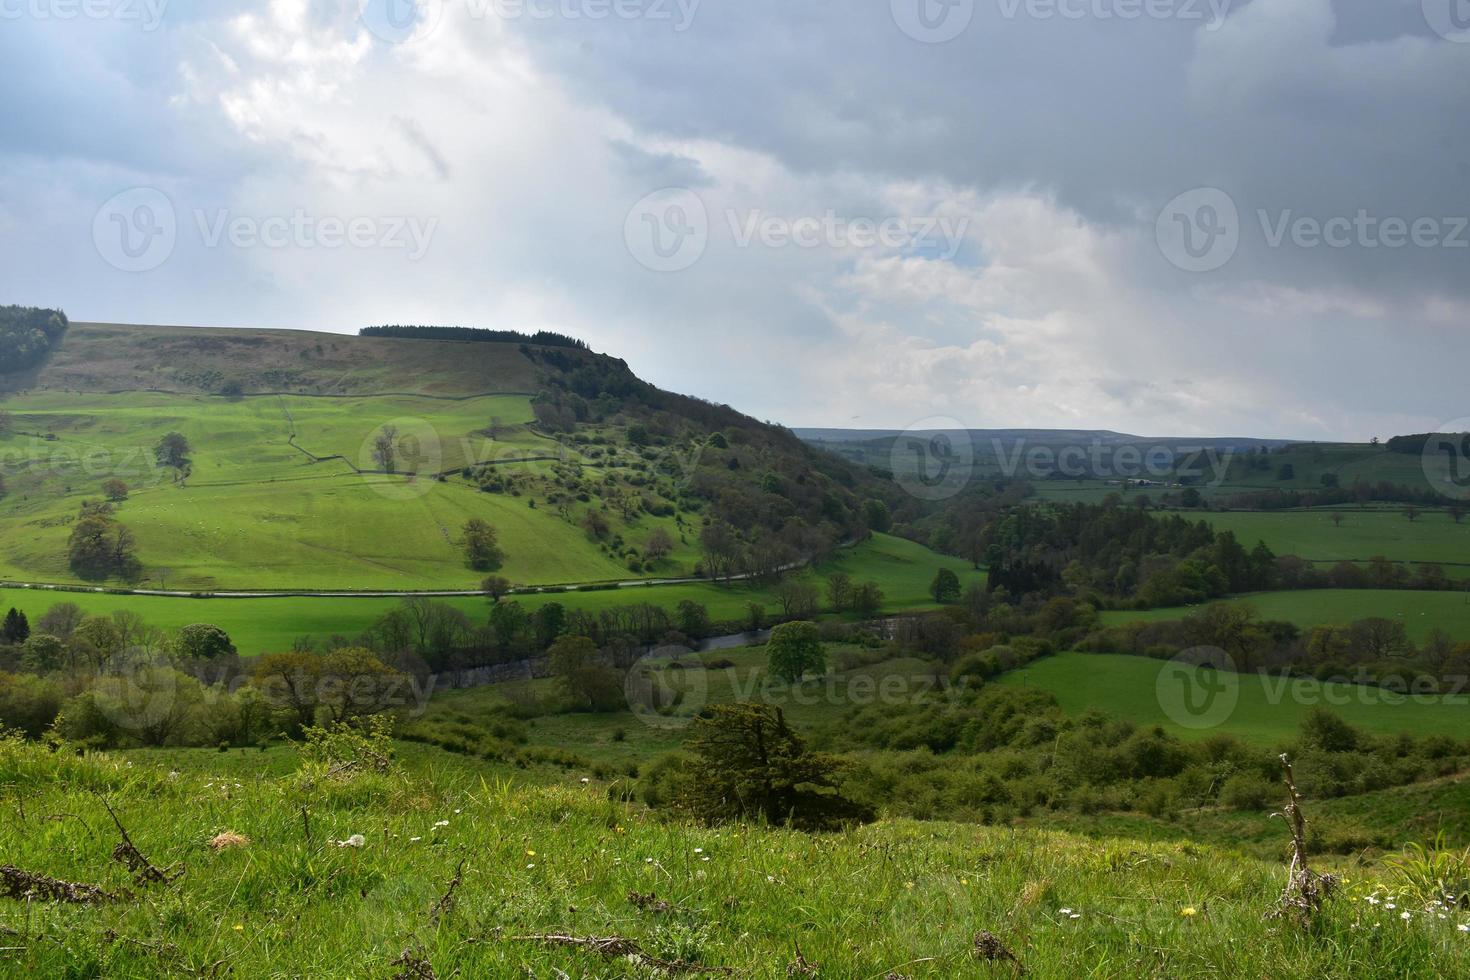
<point x="794" y="650"/>
<point x="839" y="591"/>
<point x="385" y="448"/>
<point x="1457" y="512"/>
<point x="1336" y="520"/>
<point x="867" y="599"/>
<point x="587" y="682"/>
<point x="482" y="544"/>
<point x="1412" y="513"/>
<point x="945" y="587"/>
<point x="115" y="490"/>
<point x="749" y="764"/>
<point x="16" y="628"/>
<point x="202" y="641"/>
<point x="497" y="587"/>
<point x="172" y="450"/>
<point x="660" y="543"/>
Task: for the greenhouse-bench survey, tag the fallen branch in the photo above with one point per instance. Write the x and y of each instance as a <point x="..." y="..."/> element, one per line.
<point x="126" y="852"/>
<point x="617" y="947"/>
<point x="26" y="886"/>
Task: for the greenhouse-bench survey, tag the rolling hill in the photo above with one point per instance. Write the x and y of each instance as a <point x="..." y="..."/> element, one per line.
<point x="586" y="473"/>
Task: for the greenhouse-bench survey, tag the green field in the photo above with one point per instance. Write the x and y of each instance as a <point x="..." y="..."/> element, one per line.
<point x="1269" y="711"/>
<point x="901" y="568"/>
<point x="1434" y="537"/>
<point x="894" y="898"/>
<point x="258" y="512"/>
<point x="1420" y="612"/>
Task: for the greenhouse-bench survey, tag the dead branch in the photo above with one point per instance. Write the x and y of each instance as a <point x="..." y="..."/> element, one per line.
<point x="990" y="949"/>
<point x="617" y="947"/>
<point x="445" y="905"/>
<point x="26" y="886"/>
<point x="1305" y="889"/>
<point x="144" y="871"/>
<point x="415" y="964"/>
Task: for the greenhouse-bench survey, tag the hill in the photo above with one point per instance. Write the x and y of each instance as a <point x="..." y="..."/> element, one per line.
<point x="586" y="473"/>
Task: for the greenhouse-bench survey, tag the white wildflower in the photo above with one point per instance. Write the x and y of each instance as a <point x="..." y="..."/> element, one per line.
<point x="356" y="840"/>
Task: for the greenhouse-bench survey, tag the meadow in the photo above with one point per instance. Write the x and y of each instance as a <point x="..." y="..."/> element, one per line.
<point x="1420" y="612"/>
<point x="1362" y="534"/>
<point x="1269" y="710"/>
<point x="901" y="568"/>
<point x="275" y="498"/>
<point x="464" y="869"/>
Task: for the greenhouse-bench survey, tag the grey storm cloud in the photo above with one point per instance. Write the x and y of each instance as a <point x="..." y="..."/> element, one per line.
<point x="1057" y="130"/>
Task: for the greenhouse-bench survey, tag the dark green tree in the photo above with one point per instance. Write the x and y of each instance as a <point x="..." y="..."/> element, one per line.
<point x="946" y="586"/>
<point x="795" y="650"/>
<point x="16" y="628"/>
<point x="749" y="765"/>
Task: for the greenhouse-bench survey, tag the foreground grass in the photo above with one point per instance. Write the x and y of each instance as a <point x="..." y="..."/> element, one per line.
<point x="899" y="897"/>
<point x="1269" y="710"/>
<point x="1420" y="612"/>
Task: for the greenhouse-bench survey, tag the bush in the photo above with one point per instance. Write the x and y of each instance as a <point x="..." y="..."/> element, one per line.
<point x="1247" y="791"/>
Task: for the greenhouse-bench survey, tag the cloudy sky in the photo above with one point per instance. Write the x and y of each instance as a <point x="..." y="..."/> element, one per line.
<point x="1170" y="217"/>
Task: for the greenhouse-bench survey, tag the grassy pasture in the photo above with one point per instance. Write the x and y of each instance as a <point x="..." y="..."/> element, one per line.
<point x="1269" y="711"/>
<point x="1420" y="612"/>
<point x="903" y="569"/>
<point x="1434" y="537"/>
<point x="559" y="858"/>
<point x="257" y="513"/>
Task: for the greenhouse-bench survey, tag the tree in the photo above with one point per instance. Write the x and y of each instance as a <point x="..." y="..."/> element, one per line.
<point x="721" y="548"/>
<point x="353" y="683"/>
<point x="1336" y="519"/>
<point x="172" y="450"/>
<point x="201" y="641"/>
<point x="1286" y="472"/>
<point x="867" y="599"/>
<point x="755" y="616"/>
<point x="587" y="682"/>
<point x="797" y="599"/>
<point x="876" y="516"/>
<point x="481" y="544"/>
<point x="692" y="619"/>
<point x="289" y="682"/>
<point x="16" y="628"/>
<point x="839" y="591"/>
<point x="496" y="587"/>
<point x="115" y="490"/>
<point x="98" y="640"/>
<point x="660" y="543"/>
<point x="385" y="448"/>
<point x="1457" y="512"/>
<point x="749" y="765"/>
<point x="43" y="654"/>
<point x="946" y="586"/>
<point x="1412" y="513"/>
<point x="61" y="620"/>
<point x="795" y="650"/>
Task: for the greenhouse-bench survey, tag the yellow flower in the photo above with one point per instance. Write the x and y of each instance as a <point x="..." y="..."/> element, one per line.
<point x="530" y="853"/>
<point x="908" y="884"/>
<point x="239" y="928"/>
<point x="1188" y="911"/>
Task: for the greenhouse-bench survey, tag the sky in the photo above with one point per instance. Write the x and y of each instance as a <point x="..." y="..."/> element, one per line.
<point x="1166" y="217"/>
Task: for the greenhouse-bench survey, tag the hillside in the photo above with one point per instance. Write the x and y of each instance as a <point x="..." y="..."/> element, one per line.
<point x="463" y="868"/>
<point x="586" y="473"/>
